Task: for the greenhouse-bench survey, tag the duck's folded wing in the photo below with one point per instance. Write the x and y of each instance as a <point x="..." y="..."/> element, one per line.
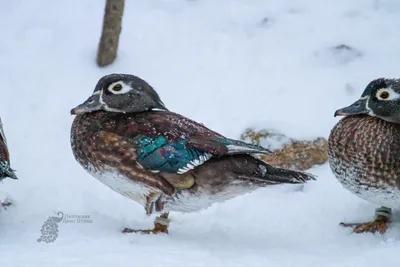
<point x="169" y="142"/>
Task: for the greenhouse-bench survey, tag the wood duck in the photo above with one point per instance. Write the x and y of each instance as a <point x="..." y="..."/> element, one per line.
<point x="364" y="150"/>
<point x="124" y="136"/>
<point x="5" y="169"/>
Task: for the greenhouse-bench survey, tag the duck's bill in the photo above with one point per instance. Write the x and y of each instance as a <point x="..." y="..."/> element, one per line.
<point x="93" y="103"/>
<point x="357" y="108"/>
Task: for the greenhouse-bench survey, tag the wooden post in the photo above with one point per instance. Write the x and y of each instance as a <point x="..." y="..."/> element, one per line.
<point x="108" y="45"/>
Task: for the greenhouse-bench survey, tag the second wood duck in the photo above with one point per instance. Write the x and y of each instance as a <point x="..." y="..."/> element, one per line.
<point x="364" y="150"/>
<point x="124" y="136"/>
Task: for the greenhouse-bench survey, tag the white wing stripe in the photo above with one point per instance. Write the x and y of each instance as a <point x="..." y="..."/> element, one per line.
<point x="194" y="163"/>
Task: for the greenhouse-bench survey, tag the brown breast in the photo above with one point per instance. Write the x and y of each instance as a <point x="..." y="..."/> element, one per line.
<point x="365" y="148"/>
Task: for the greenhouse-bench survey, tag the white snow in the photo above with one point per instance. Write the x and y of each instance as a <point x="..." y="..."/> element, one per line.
<point x="230" y="64"/>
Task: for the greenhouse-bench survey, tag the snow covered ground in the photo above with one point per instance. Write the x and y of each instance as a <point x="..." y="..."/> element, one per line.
<point x="229" y="64"/>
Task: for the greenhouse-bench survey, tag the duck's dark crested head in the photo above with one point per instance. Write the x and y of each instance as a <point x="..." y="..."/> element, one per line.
<point x="122" y="93"/>
<point x="381" y="98"/>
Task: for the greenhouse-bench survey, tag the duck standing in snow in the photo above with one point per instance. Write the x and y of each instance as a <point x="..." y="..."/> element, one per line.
<point x="364" y="150"/>
<point x="5" y="169"/>
<point x="124" y="136"/>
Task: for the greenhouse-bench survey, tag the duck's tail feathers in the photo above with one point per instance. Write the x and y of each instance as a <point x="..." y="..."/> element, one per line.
<point x="275" y="175"/>
<point x="6" y="171"/>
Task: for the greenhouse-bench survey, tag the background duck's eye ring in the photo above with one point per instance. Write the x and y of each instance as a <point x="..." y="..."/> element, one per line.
<point x="384" y="95"/>
<point x="117" y="87"/>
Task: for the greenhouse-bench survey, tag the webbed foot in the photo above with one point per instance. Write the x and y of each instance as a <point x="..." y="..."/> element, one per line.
<point x="160" y="226"/>
<point x="378" y="225"/>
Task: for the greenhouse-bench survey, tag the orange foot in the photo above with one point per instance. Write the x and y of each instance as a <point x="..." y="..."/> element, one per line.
<point x="160" y="226"/>
<point x="379" y="225"/>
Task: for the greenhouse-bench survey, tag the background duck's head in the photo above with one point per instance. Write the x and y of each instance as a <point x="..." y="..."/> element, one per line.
<point x="381" y="99"/>
<point x="121" y="93"/>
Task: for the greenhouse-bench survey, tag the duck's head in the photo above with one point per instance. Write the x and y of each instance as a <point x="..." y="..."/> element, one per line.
<point x="381" y="99"/>
<point x="121" y="93"/>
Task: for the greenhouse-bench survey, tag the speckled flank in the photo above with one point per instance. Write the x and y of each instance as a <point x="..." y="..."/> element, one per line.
<point x="364" y="155"/>
<point x="93" y="145"/>
<point x="121" y="184"/>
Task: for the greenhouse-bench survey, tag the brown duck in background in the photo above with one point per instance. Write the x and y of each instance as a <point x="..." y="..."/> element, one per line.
<point x="125" y="137"/>
<point x="364" y="150"/>
<point x="5" y="169"/>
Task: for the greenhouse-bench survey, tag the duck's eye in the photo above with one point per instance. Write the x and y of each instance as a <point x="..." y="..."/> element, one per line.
<point x="383" y="95"/>
<point x="117" y="87"/>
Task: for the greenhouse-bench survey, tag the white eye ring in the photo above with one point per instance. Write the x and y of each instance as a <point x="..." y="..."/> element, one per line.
<point x="119" y="88"/>
<point x="392" y="94"/>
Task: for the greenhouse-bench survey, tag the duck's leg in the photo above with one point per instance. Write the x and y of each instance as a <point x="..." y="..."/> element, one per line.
<point x="161" y="223"/>
<point x="160" y="226"/>
<point x="382" y="215"/>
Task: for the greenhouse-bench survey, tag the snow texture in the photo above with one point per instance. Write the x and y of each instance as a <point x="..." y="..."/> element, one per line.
<point x="229" y="64"/>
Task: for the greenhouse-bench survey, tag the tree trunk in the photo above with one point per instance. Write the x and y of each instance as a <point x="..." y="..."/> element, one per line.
<point x="111" y="30"/>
